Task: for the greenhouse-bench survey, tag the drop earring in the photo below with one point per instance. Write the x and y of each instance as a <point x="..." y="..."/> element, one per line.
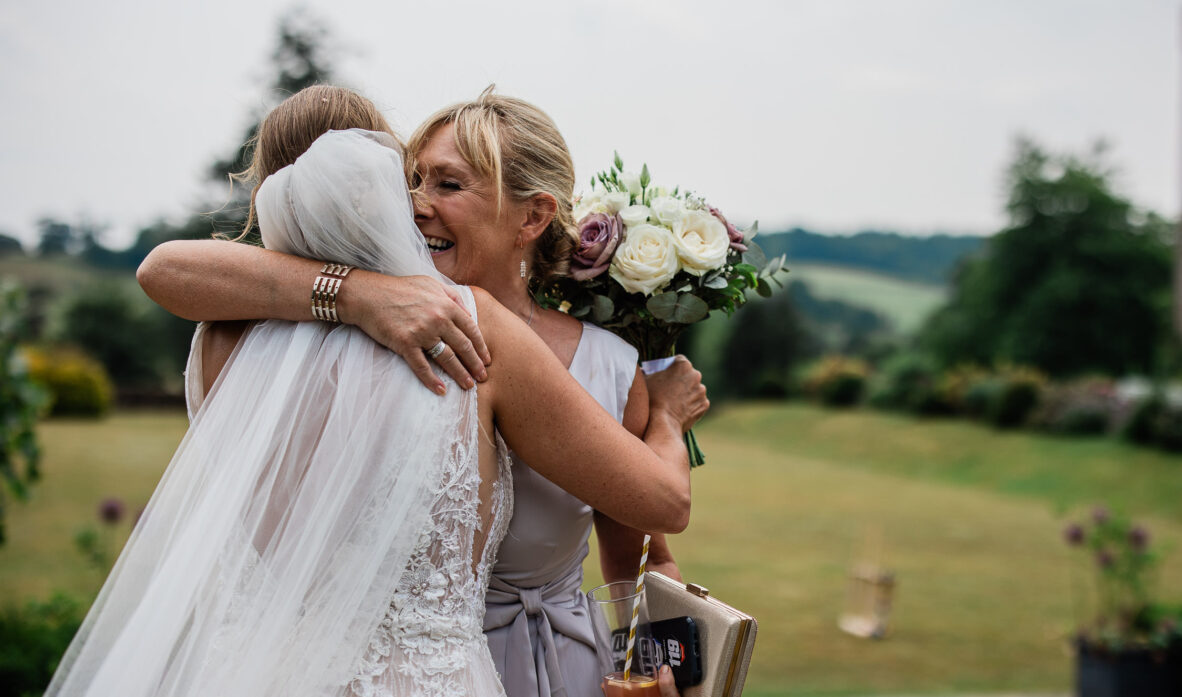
<point x="523" y="265"/>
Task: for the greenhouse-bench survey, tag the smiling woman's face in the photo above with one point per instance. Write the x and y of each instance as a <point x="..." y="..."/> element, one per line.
<point x="471" y="243"/>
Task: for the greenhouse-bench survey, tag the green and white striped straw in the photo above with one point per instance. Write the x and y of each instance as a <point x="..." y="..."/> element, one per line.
<point x="635" y="610"/>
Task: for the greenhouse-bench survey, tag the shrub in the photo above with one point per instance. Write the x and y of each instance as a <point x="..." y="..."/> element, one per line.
<point x="1083" y="407"/>
<point x="1141" y="426"/>
<point x="1015" y="397"/>
<point x="837" y="381"/>
<point x="1167" y="428"/>
<point x="908" y="381"/>
<point x="78" y="384"/>
<point x="959" y="389"/>
<point x="32" y="641"/>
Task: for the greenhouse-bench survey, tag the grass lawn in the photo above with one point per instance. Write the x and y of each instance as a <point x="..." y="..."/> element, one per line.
<point x="971" y="518"/>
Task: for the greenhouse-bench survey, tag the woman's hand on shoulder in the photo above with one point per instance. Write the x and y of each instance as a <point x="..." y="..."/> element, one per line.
<point x="411" y="314"/>
<point x="678" y="392"/>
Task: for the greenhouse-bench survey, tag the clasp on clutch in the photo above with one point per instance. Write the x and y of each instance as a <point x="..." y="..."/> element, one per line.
<point x="700" y="591"/>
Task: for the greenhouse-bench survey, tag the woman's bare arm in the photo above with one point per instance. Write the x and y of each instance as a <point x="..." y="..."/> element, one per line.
<point x="566" y="436"/>
<point x="211" y="280"/>
<point x="619" y="545"/>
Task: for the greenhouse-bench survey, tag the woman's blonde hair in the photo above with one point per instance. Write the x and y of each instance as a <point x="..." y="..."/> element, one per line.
<point x="291" y="128"/>
<point x="516" y="146"/>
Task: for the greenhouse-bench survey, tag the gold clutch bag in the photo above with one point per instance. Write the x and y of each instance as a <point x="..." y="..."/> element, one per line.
<point x="726" y="635"/>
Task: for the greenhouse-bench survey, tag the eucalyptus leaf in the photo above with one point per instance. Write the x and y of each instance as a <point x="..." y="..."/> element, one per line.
<point x="755" y="256"/>
<point x="602" y="308"/>
<point x="763" y="288"/>
<point x="581" y="311"/>
<point x="716" y="282"/>
<point x="681" y="309"/>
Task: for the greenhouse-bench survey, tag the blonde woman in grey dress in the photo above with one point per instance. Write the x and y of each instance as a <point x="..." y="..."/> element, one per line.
<point x="536" y="623"/>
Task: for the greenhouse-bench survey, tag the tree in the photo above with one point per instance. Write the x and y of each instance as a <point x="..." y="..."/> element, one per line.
<point x="301" y="59"/>
<point x="10" y="246"/>
<point x="57" y="237"/>
<point x="1078" y="282"/>
<point x="767" y="338"/>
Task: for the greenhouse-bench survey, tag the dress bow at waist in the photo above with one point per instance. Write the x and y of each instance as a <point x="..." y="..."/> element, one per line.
<point x="558" y="607"/>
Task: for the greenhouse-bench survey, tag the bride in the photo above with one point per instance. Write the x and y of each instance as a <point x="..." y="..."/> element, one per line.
<point x="326" y="525"/>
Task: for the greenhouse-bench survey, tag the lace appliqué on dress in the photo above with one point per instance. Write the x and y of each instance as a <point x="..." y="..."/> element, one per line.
<point x="431" y="635"/>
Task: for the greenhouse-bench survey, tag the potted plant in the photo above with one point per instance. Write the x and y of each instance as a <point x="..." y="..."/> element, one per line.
<point x="1132" y="647"/>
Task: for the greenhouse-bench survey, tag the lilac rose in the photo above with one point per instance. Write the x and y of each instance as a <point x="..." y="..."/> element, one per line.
<point x="731" y="231"/>
<point x="599" y="235"/>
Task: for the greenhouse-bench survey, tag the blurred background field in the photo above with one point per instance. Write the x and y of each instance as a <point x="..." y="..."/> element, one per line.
<point x="988" y="593"/>
<point x="963" y="396"/>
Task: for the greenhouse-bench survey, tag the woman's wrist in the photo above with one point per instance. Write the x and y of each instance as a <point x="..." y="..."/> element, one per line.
<point x="351" y="303"/>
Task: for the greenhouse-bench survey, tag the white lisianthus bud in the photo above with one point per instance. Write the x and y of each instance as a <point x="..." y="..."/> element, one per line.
<point x="590" y="202"/>
<point x="702" y="242"/>
<point x="616" y="201"/>
<point x="631" y="182"/>
<point x="646" y="260"/>
<point x="635" y="215"/>
<point x="667" y="209"/>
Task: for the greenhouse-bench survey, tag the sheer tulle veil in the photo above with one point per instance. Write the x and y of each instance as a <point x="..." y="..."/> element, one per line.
<point x="271" y="546"/>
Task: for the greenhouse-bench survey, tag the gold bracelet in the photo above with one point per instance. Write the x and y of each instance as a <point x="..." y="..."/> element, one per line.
<point x="324" y="291"/>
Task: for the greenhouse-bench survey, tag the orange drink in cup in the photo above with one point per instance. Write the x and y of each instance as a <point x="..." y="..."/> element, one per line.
<point x="617" y="611"/>
<point x="615" y="685"/>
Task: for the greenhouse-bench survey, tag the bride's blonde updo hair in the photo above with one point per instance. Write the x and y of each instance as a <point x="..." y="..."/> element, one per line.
<point x="291" y="128"/>
<point x="515" y="145"/>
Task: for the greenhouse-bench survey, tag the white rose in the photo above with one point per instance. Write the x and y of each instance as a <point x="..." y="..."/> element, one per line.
<point x="646" y="260"/>
<point x="635" y="215"/>
<point x="616" y="201"/>
<point x="667" y="209"/>
<point x="702" y="242"/>
<point x="631" y="182"/>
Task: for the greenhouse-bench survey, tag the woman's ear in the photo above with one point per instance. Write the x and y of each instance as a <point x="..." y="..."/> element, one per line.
<point x="539" y="211"/>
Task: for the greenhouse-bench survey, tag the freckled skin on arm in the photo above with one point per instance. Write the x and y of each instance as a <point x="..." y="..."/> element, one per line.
<point x="567" y="437"/>
<point x="212" y="280"/>
<point x="619" y="545"/>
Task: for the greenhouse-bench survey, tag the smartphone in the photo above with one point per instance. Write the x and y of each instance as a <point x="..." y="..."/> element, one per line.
<point x="675" y="642"/>
<point x="679" y="646"/>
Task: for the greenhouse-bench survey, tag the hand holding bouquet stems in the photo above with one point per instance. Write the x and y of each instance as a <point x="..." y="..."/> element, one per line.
<point x="651" y="261"/>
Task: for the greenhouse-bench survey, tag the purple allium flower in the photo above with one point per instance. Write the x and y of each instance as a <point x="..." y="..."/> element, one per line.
<point x="1105" y="559"/>
<point x="736" y="237"/>
<point x="1074" y="534"/>
<point x="1139" y="538"/>
<point x="599" y="235"/>
<point x="1100" y="515"/>
<point x="110" y="511"/>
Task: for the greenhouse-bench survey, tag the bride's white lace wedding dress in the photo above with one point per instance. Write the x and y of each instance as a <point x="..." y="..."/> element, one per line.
<point x="322" y="530"/>
<point x="431" y="641"/>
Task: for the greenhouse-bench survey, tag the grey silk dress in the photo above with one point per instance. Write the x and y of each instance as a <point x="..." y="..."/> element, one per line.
<point x="536" y="620"/>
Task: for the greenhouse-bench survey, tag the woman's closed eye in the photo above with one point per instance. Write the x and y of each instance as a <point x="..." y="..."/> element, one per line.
<point x="449" y="185"/>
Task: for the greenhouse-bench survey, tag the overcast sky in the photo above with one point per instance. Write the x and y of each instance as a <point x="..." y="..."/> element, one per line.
<point x="831" y="114"/>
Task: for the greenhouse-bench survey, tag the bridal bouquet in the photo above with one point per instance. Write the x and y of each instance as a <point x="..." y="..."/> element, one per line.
<point x="651" y="261"/>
